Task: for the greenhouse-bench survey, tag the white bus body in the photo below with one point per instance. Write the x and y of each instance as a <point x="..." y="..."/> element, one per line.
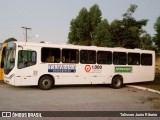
<point x="134" y="65"/>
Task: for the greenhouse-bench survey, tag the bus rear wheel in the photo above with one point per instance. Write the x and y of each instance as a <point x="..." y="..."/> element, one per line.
<point x="45" y="83"/>
<point x="117" y="82"/>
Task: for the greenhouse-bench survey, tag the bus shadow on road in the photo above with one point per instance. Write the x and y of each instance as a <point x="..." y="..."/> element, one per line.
<point x="56" y="87"/>
<point x="84" y="86"/>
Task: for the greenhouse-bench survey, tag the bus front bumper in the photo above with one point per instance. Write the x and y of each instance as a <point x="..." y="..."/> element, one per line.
<point x="9" y="80"/>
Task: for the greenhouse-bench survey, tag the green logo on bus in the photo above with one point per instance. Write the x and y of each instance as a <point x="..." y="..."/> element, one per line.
<point x="123" y="69"/>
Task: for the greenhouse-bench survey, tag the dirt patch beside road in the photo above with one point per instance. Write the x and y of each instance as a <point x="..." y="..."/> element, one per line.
<point x="155" y="101"/>
<point x="152" y="85"/>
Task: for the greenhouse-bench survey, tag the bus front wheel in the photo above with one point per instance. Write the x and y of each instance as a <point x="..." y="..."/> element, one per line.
<point x="45" y="83"/>
<point x="117" y="82"/>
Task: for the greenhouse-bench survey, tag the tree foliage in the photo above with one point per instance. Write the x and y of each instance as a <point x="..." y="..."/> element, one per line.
<point x="146" y="42"/>
<point x="88" y="28"/>
<point x="83" y="26"/>
<point x="95" y="18"/>
<point x="156" y="38"/>
<point x="80" y="28"/>
<point x="101" y="35"/>
<point x="127" y="32"/>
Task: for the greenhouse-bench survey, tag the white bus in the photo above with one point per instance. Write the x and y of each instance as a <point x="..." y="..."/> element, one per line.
<point x="46" y="65"/>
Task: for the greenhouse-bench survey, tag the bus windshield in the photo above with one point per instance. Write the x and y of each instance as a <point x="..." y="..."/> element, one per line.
<point x="9" y="59"/>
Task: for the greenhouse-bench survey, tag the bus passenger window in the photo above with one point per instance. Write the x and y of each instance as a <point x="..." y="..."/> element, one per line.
<point x="104" y="57"/>
<point x="26" y="58"/>
<point x="146" y="59"/>
<point x="50" y="55"/>
<point x="119" y="58"/>
<point x="88" y="56"/>
<point x="70" y="56"/>
<point x="133" y="59"/>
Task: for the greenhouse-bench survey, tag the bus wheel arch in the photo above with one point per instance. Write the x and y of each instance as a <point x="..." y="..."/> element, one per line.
<point x="46" y="82"/>
<point x="117" y="81"/>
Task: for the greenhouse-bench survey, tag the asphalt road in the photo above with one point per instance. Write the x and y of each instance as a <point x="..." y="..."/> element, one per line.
<point x="77" y="98"/>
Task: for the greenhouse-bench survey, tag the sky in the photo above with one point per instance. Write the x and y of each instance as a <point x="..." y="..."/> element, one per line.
<point x="50" y="19"/>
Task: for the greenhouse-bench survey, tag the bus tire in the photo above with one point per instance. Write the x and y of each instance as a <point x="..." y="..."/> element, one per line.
<point x="45" y="83"/>
<point x="117" y="82"/>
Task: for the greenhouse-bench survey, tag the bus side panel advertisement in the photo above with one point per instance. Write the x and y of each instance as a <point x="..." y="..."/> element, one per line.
<point x="123" y="69"/>
<point x="61" y="68"/>
<point x="93" y="68"/>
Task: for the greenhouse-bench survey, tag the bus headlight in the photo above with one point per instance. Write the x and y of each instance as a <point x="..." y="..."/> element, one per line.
<point x="11" y="76"/>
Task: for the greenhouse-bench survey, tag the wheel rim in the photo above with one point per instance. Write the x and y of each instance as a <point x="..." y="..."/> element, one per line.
<point x="117" y="82"/>
<point x="46" y="83"/>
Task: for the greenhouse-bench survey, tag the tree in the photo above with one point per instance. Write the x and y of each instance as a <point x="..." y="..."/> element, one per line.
<point x="117" y="31"/>
<point x="156" y="38"/>
<point x="130" y="11"/>
<point x="88" y="28"/>
<point x="127" y="32"/>
<point x="79" y="30"/>
<point x="95" y="18"/>
<point x="101" y="35"/>
<point x="83" y="26"/>
<point x="146" y="42"/>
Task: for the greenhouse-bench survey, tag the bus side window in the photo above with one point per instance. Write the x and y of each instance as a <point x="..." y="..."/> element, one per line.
<point x="50" y="55"/>
<point x="88" y="56"/>
<point x="26" y="58"/>
<point x="70" y="56"/>
<point x="146" y="59"/>
<point x="133" y="59"/>
<point x="104" y="57"/>
<point x="119" y="58"/>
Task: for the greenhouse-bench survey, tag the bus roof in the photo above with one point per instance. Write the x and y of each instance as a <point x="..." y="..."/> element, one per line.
<point x="71" y="46"/>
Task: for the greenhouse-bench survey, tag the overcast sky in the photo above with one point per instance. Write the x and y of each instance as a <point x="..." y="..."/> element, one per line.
<point x="50" y="19"/>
